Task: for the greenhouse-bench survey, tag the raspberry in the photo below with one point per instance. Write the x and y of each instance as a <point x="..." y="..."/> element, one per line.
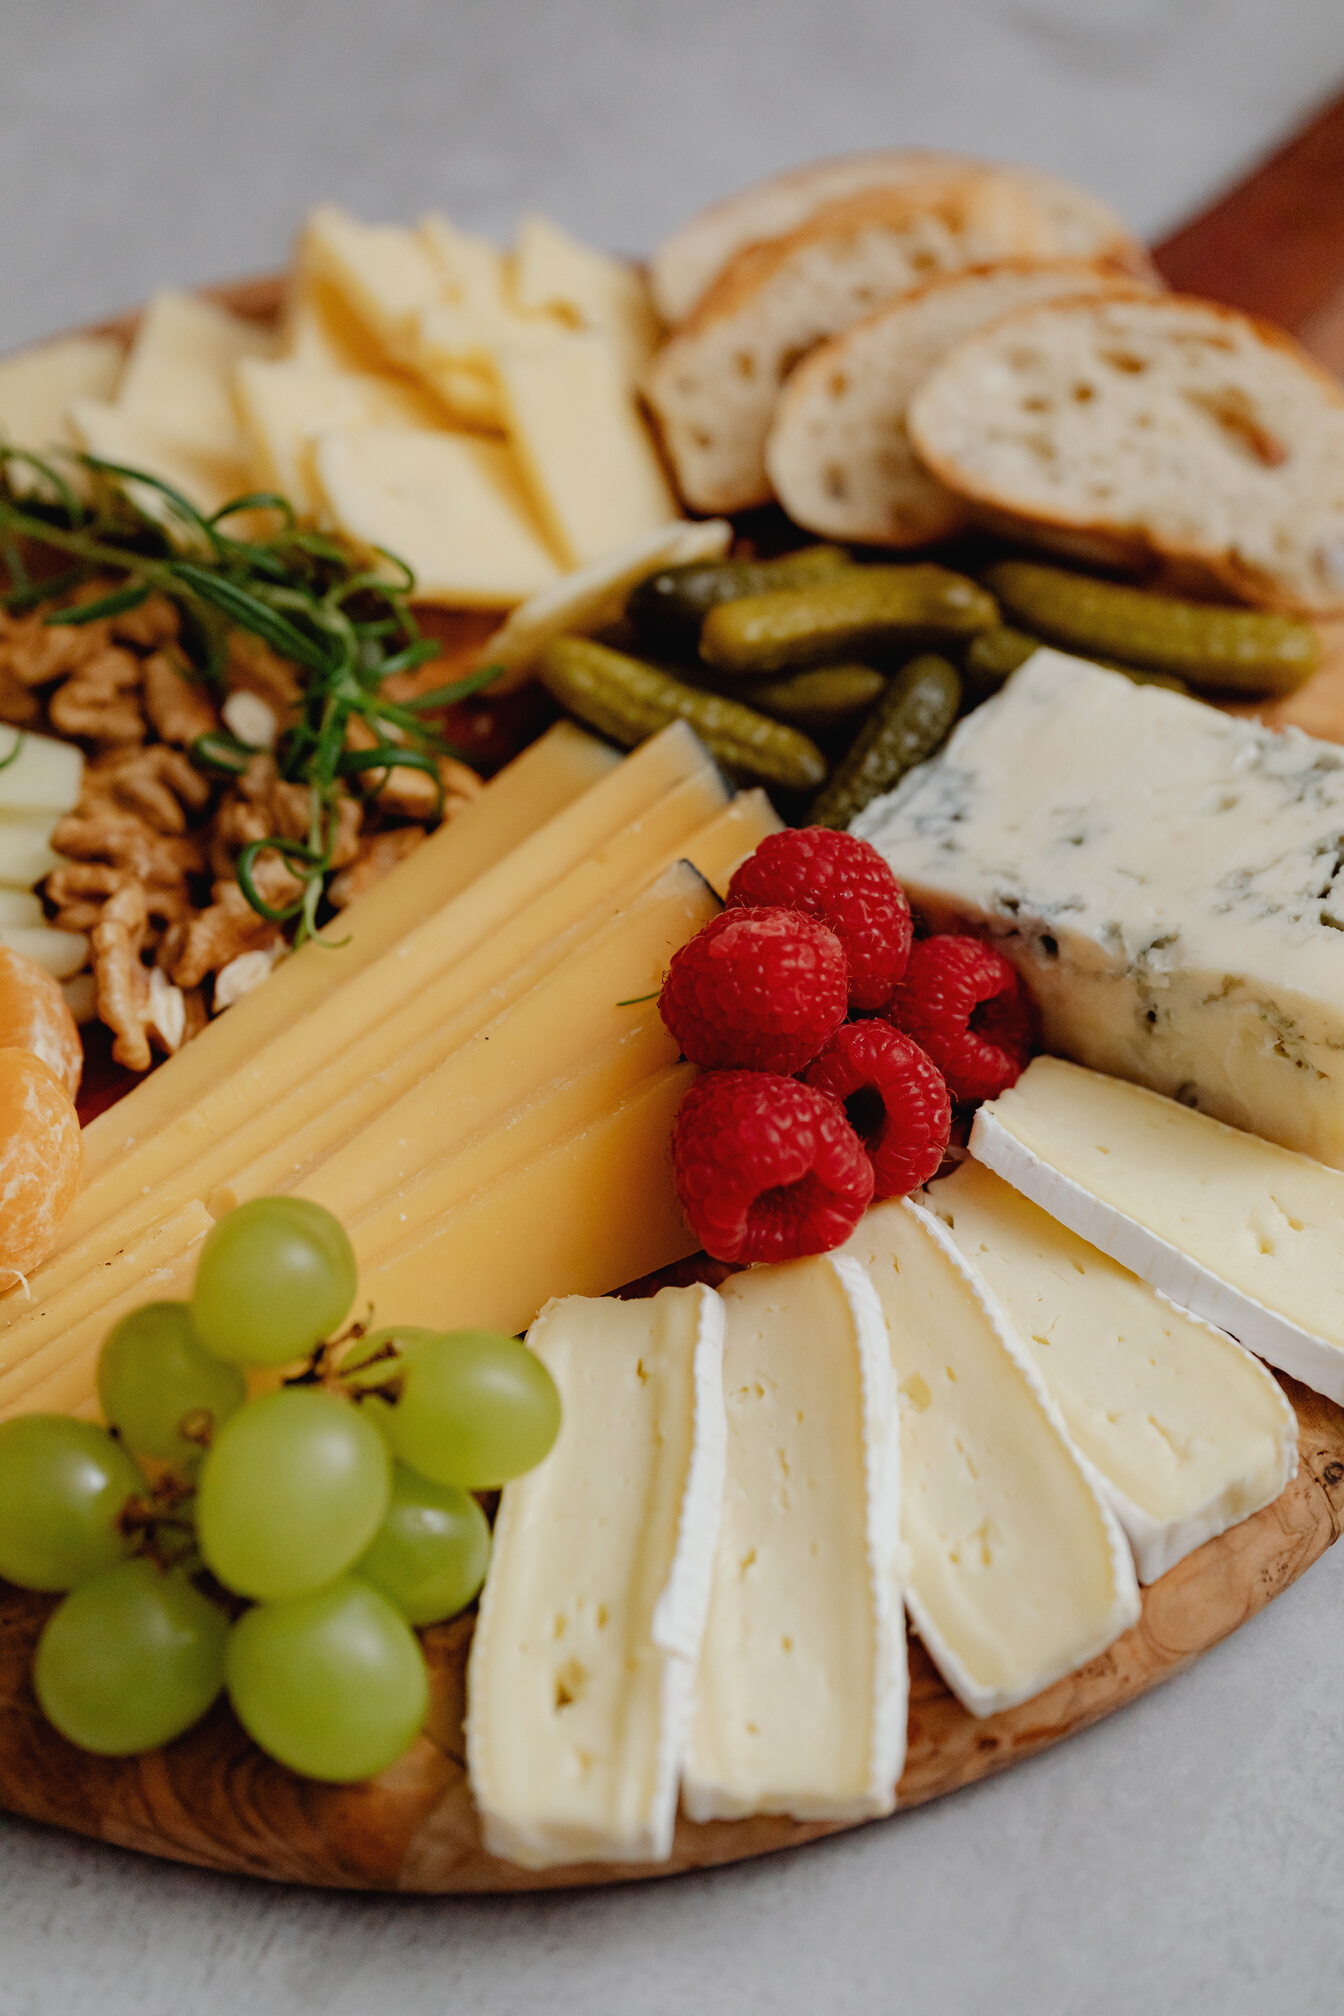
<point x="895" y="1099"/>
<point x="766" y="1168"/>
<point x="965" y="1005"/>
<point x="759" y="990"/>
<point x="843" y="883"/>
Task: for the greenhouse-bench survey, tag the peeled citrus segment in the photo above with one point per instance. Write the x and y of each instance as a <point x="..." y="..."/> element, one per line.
<point x="41" y="1155"/>
<point x="34" y="1017"/>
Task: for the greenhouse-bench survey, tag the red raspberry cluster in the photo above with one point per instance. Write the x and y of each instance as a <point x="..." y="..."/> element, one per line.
<point x="817" y="929"/>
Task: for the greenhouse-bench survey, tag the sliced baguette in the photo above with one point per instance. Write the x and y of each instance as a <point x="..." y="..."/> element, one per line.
<point x="713" y="386"/>
<point x="1081" y="226"/>
<point x="1153" y="430"/>
<point x="838" y="454"/>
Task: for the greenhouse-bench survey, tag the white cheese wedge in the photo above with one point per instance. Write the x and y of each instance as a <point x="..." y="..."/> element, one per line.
<point x="38" y="773"/>
<point x="179" y="375"/>
<point x="584" y="450"/>
<point x="580" y="1684"/>
<point x="1240" y="1231"/>
<point x="801" y="1694"/>
<point x="207" y="477"/>
<point x="451" y="506"/>
<point x="285" y="406"/>
<point x="1017" y="1570"/>
<point x="1168" y="880"/>
<point x="587" y="289"/>
<point x="1187" y="1432"/>
<point x="37" y="386"/>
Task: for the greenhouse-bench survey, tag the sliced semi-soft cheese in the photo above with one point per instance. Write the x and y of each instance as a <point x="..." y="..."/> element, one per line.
<point x="1187" y="1431"/>
<point x="205" y="475"/>
<point x="179" y="375"/>
<point x="587" y="288"/>
<point x="1168" y="880"/>
<point x="1017" y="1570"/>
<point x="801" y="1691"/>
<point x="285" y="407"/>
<point x="383" y="273"/>
<point x="472" y="268"/>
<point x="321" y="330"/>
<point x="1244" y="1233"/>
<point x="38" y="385"/>
<point x="583" y="1661"/>
<point x="452" y="506"/>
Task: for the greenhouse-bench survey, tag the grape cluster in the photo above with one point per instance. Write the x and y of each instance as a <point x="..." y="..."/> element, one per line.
<point x="282" y="1546"/>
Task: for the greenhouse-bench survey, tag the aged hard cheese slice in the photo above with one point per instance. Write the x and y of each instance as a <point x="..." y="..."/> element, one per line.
<point x="1169" y="882"/>
<point x="1017" y="1570"/>
<point x="1187" y="1432"/>
<point x="1244" y="1233"/>
<point x="801" y="1692"/>
<point x="582" y="1666"/>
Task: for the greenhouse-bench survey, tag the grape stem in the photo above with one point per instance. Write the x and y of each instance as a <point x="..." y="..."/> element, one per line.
<point x="324" y="1367"/>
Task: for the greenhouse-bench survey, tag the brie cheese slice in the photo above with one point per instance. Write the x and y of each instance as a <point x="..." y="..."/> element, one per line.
<point x="1017" y="1569"/>
<point x="1244" y="1233"/>
<point x="801" y="1693"/>
<point x="582" y="1669"/>
<point x="1187" y="1432"/>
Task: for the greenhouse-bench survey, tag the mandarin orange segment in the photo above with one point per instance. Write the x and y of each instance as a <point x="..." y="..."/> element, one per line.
<point x="34" y="1017"/>
<point x="41" y="1156"/>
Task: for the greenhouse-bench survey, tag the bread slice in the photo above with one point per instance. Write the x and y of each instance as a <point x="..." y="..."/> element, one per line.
<point x="1081" y="226"/>
<point x="838" y="454"/>
<point x="1158" y="430"/>
<point x="713" y="385"/>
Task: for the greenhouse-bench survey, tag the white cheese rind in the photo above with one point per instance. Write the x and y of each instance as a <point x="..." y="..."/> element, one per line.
<point x="802" y="1686"/>
<point x="1164" y="1408"/>
<point x="1045" y="1580"/>
<point x="1168" y="880"/>
<point x="1313" y="1359"/>
<point x="581" y="1677"/>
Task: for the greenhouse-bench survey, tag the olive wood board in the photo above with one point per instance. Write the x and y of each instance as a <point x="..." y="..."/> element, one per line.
<point x="1274" y="245"/>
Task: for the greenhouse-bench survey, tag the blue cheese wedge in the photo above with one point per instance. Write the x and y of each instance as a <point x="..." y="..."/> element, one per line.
<point x="801" y="1695"/>
<point x="1017" y="1570"/>
<point x="1238" y="1230"/>
<point x="1187" y="1432"/>
<point x="1168" y="880"/>
<point x="580" y="1684"/>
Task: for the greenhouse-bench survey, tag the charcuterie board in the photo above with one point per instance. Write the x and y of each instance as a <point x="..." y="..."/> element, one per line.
<point x="214" y="1800"/>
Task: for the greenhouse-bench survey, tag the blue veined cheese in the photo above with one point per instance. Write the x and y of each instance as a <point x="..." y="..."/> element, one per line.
<point x="580" y="1686"/>
<point x="1168" y="880"/>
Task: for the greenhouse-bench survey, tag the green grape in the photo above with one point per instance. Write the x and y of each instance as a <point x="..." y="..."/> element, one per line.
<point x="333" y="1685"/>
<point x="154" y="1374"/>
<point x="274" y="1278"/>
<point x="130" y="1659"/>
<point x="293" y="1490"/>
<point x="475" y="1409"/>
<point x="430" y="1554"/>
<point x="63" y="1484"/>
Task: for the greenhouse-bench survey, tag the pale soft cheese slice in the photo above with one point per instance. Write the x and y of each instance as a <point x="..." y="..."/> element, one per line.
<point x="1169" y="882"/>
<point x="38" y="385"/>
<point x="1187" y="1431"/>
<point x="802" y="1687"/>
<point x="450" y="505"/>
<point x="285" y="406"/>
<point x="1242" y="1232"/>
<point x="1017" y="1570"/>
<point x="580" y="1683"/>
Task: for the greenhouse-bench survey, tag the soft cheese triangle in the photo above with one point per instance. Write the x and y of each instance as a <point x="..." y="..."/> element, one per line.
<point x="1169" y="882"/>
<point x="802" y="1685"/>
<point x="1187" y="1432"/>
<point x="579" y="1687"/>
<point x="1244" y="1233"/>
<point x="1017" y="1570"/>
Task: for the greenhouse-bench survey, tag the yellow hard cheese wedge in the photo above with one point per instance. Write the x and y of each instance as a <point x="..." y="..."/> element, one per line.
<point x="38" y="385"/>
<point x="587" y="289"/>
<point x="321" y="330"/>
<point x="285" y="406"/>
<point x="179" y="375"/>
<point x="383" y="273"/>
<point x="206" y="475"/>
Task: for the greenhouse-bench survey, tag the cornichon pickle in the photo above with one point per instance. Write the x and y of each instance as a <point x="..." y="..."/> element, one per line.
<point x="1247" y="650"/>
<point x="995" y="655"/>
<point x="627" y="700"/>
<point x="819" y="699"/>
<point x="862" y="607"/>
<point x="908" y="723"/>
<point x="670" y="606"/>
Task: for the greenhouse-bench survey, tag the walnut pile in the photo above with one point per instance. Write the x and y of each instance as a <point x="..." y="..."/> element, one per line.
<point x="151" y="849"/>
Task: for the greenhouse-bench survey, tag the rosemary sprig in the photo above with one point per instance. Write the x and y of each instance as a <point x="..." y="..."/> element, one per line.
<point x="346" y="626"/>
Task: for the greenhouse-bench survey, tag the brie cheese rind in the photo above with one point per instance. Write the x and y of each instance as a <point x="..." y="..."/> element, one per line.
<point x="1017" y="1570"/>
<point x="1168" y="880"/>
<point x="802" y="1685"/>
<point x="581" y="1678"/>
<point x="1187" y="1432"/>
<point x="1237" y="1230"/>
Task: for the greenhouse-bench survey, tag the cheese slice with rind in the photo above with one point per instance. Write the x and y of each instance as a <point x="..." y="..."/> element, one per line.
<point x="1187" y="1432"/>
<point x="582" y="1665"/>
<point x="1017" y="1569"/>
